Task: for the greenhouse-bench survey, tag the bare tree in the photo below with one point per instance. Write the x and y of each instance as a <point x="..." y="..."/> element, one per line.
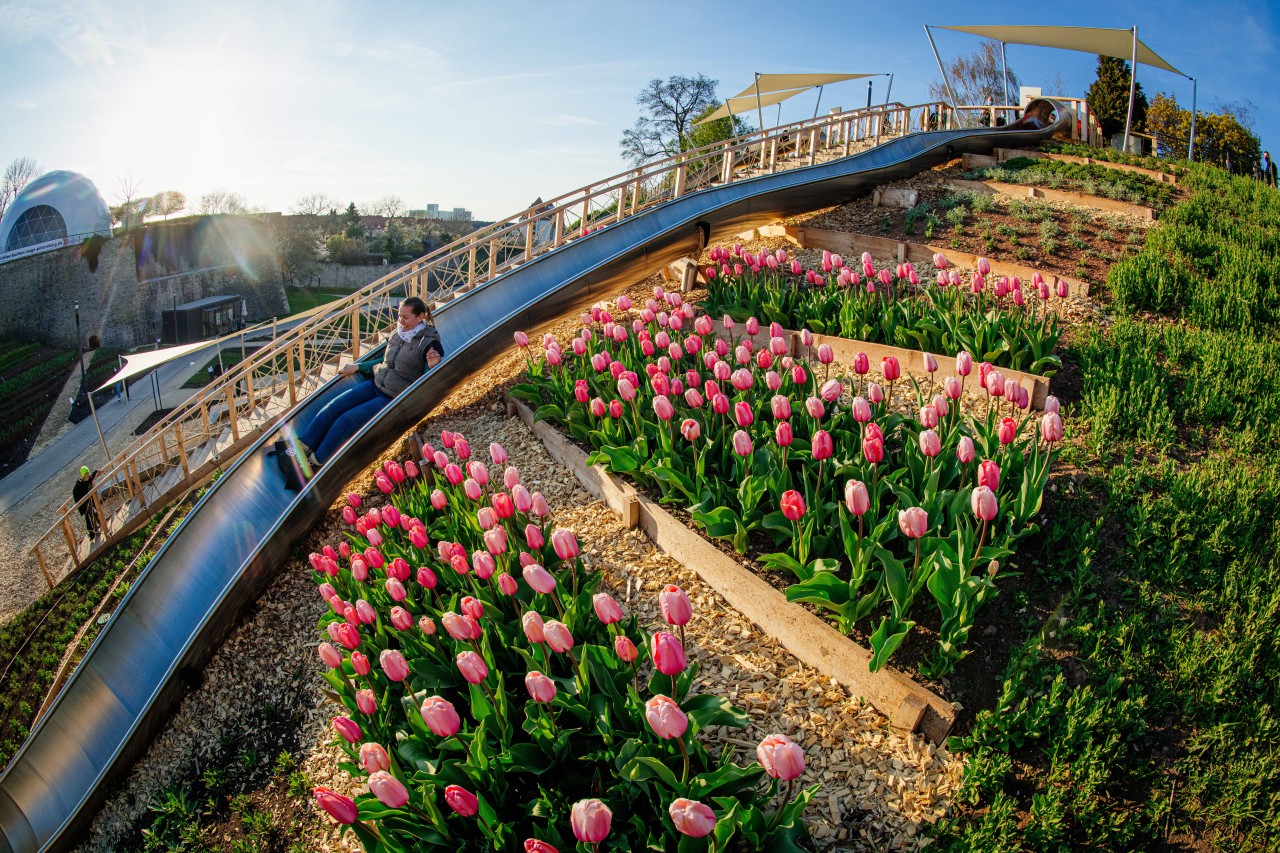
<point x="389" y="206"/>
<point x="19" y="173"/>
<point x="166" y="203"/>
<point x="315" y="204"/>
<point x="668" y="110"/>
<point x="129" y="209"/>
<point x="976" y="78"/>
<point x="221" y="201"/>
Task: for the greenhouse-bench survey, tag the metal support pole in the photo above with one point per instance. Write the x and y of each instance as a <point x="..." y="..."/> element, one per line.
<point x="888" y="91"/>
<point x="945" y="81"/>
<point x="93" y="411"/>
<point x="816" y="103"/>
<point x="868" y="94"/>
<point x="759" y="109"/>
<point x="1004" y="75"/>
<point x="1191" y="143"/>
<point x="1133" y="83"/>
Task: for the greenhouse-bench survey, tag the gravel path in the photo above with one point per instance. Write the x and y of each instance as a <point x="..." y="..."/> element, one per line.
<point x="879" y="788"/>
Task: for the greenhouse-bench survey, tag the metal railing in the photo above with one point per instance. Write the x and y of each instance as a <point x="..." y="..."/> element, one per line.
<point x="211" y="428"/>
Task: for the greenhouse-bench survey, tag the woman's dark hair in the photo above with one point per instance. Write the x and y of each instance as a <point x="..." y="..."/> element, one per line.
<point x="416" y="305"/>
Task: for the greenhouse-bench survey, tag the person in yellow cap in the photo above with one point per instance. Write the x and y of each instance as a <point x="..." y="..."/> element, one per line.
<point x="81" y="489"/>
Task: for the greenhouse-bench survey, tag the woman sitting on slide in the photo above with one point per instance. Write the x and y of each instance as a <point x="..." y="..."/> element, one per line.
<point x="413" y="350"/>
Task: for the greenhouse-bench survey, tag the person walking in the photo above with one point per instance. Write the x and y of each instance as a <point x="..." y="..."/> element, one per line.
<point x="87" y="510"/>
<point x="1268" y="169"/>
<point x="412" y="350"/>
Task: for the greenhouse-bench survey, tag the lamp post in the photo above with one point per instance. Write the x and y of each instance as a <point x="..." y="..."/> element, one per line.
<point x="79" y="345"/>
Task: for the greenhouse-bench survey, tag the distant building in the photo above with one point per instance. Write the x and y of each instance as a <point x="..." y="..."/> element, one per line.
<point x="56" y="209"/>
<point x="433" y="211"/>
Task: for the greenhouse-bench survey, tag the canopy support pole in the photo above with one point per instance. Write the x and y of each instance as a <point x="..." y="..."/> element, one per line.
<point x="888" y="91"/>
<point x="816" y="103"/>
<point x="1191" y="142"/>
<point x="1133" y="83"/>
<point x="1004" y="75"/>
<point x="759" y="110"/>
<point x="945" y="81"/>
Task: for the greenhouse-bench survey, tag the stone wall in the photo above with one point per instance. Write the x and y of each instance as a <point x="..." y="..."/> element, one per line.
<point x="337" y="278"/>
<point x="121" y="302"/>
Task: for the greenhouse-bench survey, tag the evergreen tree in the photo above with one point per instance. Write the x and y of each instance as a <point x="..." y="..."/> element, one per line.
<point x="1108" y="97"/>
<point x="352" y="224"/>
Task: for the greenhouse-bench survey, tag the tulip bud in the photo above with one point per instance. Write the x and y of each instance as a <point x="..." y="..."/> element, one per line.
<point x="532" y="624"/>
<point x="667" y="653"/>
<point x="590" y="820"/>
<point x="340" y="808"/>
<point x="366" y="702"/>
<point x="983" y="503"/>
<point x="989" y="475"/>
<point x="388" y="789"/>
<point x="625" y="649"/>
<point x="792" y="504"/>
<point x="462" y="801"/>
<point x="913" y="522"/>
<point x="558" y="638"/>
<point x="822" y="446"/>
<point x="348" y="728"/>
<point x="565" y="543"/>
<point x="472" y="667"/>
<point x="780" y="757"/>
<point x="674" y="605"/>
<point x="856" y="499"/>
<point x="930" y="444"/>
<point x="665" y="717"/>
<point x="373" y="757"/>
<point x="607" y="609"/>
<point x="692" y="818"/>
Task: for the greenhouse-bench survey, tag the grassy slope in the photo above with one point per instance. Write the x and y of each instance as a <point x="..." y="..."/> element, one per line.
<point x="1144" y="718"/>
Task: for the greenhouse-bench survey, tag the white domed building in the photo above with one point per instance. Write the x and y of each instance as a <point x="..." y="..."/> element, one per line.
<point x="56" y="209"/>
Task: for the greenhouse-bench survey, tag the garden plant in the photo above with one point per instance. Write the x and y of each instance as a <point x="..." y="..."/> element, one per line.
<point x="873" y="512"/>
<point x="996" y="321"/>
<point x="493" y="698"/>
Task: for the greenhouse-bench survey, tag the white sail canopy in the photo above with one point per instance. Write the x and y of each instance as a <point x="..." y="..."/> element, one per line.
<point x="780" y="82"/>
<point x="1100" y="40"/>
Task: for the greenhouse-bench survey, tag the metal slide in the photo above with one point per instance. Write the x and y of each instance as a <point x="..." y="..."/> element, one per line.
<point x="221" y="558"/>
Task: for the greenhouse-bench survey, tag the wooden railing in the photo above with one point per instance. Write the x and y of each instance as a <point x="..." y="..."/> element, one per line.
<point x="211" y="428"/>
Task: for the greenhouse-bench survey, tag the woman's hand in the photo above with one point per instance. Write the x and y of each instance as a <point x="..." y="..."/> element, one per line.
<point x="349" y="370"/>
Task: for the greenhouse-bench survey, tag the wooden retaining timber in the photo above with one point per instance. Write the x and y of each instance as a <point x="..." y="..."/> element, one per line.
<point x="849" y="244"/>
<point x="1020" y="191"/>
<point x="909" y="706"/>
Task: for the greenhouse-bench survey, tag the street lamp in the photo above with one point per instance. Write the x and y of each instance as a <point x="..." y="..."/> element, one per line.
<point x="79" y="345"/>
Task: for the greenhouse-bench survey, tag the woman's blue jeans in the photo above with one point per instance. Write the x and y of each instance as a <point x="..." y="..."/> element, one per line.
<point x="341" y="418"/>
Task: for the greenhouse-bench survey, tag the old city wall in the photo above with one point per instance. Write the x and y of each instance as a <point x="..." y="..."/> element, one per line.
<point x="121" y="301"/>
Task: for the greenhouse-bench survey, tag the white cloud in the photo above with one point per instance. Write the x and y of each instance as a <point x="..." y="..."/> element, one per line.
<point x="25" y="104"/>
<point x="84" y="30"/>
<point x="563" y="120"/>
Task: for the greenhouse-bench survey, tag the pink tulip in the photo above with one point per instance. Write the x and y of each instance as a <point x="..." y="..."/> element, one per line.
<point x="665" y="717"/>
<point x="348" y="515"/>
<point x="667" y="653"/>
<point x="964" y="363"/>
<point x="913" y="522"/>
<point x="742" y="414"/>
<point x="781" y="407"/>
<point x="533" y="536"/>
<point x="540" y="507"/>
<point x="590" y="820"/>
<point x="856" y="499"/>
<point x="366" y="701"/>
<point x="663" y="409"/>
<point x="930" y="444"/>
<point x="692" y="818"/>
<point x="890" y="368"/>
<point x="388" y="789"/>
<point x="453" y="473"/>
<point x="373" y="757"/>
<point x="1008" y="430"/>
<point x="345" y="634"/>
<point x="559" y="639"/>
<point x="984" y="266"/>
<point x="565" y="543"/>
<point x="462" y="801"/>
<point x="496" y="540"/>
<point x="472" y="667"/>
<point x="625" y="649"/>
<point x="607" y="609"/>
<point x="331" y="656"/>
<point x="742" y="443"/>
<point x="1051" y="427"/>
<point x="460" y="627"/>
<point x="873" y="448"/>
<point x="989" y="475"/>
<point x="792" y="504"/>
<point x="875" y="393"/>
<point x="366" y="612"/>
<point x="503" y="505"/>
<point x="522" y="340"/>
<point x="1051" y="404"/>
<point x="401" y="619"/>
<point x="484" y="565"/>
<point x="375" y="538"/>
<point x="941" y="406"/>
<point x="348" y="728"/>
<point x="472" y="607"/>
<point x="340" y="808"/>
<point x="541" y="689"/>
<point x="472" y="489"/>
<point x="952" y="388"/>
<point x="764" y="359"/>
<point x="780" y="757"/>
<point x="533" y="626"/>
<point x="426" y="578"/>
<point x="427" y="625"/>
<point x="753" y="326"/>
<point x="539" y="579"/>
<point x="439" y="500"/>
<point x="674" y="605"/>
<point x="815" y="408"/>
<point x="983" y="502"/>
<point x="822" y="447"/>
<point x="940" y="260"/>
<point x="928" y="416"/>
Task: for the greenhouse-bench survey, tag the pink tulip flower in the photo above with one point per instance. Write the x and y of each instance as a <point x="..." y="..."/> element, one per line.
<point x="674" y="605"/>
<point x="692" y="818"/>
<point x="742" y="443"/>
<point x="780" y="406"/>
<point x="427" y="626"/>
<point x="541" y="689"/>
<point x="533" y="536"/>
<point x="625" y="649"/>
<point x="665" y="717"/>
<point x="331" y="656"/>
<point x="875" y="393"/>
<point x="559" y="639"/>
<point x="340" y="808"/>
<point x="348" y="728"/>
<point x="426" y="577"/>
<point x="607" y="609"/>
<point x="401" y="619"/>
<point x="856" y="498"/>
<point x="496" y="540"/>
<point x="565" y="543"/>
<point x="366" y="701"/>
<point x="930" y="444"/>
<point x="388" y="789"/>
<point x="539" y="579"/>
<point x="873" y="448"/>
<point x="890" y="368"/>
<point x="540" y="508"/>
<point x="792" y="504"/>
<point x="533" y="626"/>
<point x="823" y="446"/>
<point x="1051" y="404"/>
<point x="964" y="363"/>
<point x="462" y="801"/>
<point x="989" y="475"/>
<point x="913" y="522"/>
<point x="472" y="667"/>
<point x="590" y="820"/>
<point x="1051" y="427"/>
<point x="373" y="757"/>
<point x="780" y="757"/>
<point x="667" y="653"/>
<point x="983" y="503"/>
<point x="1008" y="430"/>
<point x="396" y="589"/>
<point x="928" y="416"/>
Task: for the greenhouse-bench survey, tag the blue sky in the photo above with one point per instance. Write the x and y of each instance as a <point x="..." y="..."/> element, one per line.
<point x="487" y="105"/>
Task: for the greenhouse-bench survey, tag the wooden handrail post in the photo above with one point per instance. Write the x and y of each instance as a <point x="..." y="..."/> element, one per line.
<point x="70" y="536"/>
<point x="584" y="221"/>
<point x="773" y="155"/>
<point x="679" y="187"/>
<point x="102" y="518"/>
<point x="622" y="203"/>
<point x="232" y="416"/>
<point x="635" y="196"/>
<point x="44" y="567"/>
<point x="141" y="494"/>
<point x="293" y="391"/>
<point x="559" y="228"/>
<point x="471" y="267"/>
<point x="813" y="146"/>
<point x="844" y="135"/>
<point x="204" y="419"/>
<point x="493" y="259"/>
<point x="182" y="450"/>
<point x="164" y="447"/>
<point x="528" y="239"/>
<point x="355" y="333"/>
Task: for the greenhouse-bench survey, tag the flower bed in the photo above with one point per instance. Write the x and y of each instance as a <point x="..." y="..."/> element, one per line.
<point x="473" y="758"/>
<point x="1002" y="326"/>
<point x="1088" y="179"/>
<point x="870" y="512"/>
